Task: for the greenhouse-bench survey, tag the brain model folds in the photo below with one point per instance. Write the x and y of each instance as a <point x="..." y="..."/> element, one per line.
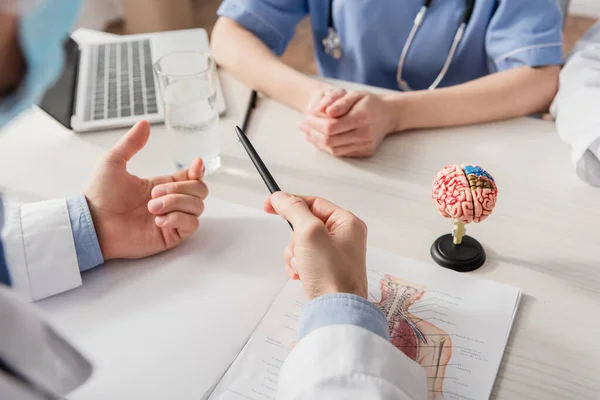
<point x="465" y="193"/>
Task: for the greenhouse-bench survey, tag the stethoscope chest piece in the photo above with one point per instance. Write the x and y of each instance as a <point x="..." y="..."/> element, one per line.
<point x="332" y="44"/>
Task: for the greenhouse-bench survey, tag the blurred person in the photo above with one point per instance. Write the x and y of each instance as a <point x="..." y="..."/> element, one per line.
<point x="575" y="108"/>
<point x="488" y="59"/>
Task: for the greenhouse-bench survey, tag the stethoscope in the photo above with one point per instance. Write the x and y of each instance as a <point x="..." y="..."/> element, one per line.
<point x="332" y="43"/>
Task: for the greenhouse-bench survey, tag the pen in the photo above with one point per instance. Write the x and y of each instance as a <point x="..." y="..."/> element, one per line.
<point x="258" y="163"/>
<point x="249" y="108"/>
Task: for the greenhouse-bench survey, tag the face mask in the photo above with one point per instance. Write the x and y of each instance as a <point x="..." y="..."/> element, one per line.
<point x="42" y="32"/>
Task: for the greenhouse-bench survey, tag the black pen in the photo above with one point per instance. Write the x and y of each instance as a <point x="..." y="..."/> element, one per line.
<point x="258" y="163"/>
<point x="249" y="109"/>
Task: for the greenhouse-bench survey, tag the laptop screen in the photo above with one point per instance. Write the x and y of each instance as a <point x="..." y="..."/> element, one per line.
<point x="59" y="99"/>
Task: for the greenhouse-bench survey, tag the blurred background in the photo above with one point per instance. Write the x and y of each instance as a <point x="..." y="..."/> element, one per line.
<point x="139" y="16"/>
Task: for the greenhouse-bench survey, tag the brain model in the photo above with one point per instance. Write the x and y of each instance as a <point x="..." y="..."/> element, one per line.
<point x="466" y="193"/>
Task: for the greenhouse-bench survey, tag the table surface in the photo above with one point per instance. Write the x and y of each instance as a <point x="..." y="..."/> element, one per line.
<point x="541" y="237"/>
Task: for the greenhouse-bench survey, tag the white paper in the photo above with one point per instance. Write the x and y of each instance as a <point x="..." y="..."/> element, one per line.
<point x="169" y="326"/>
<point x="456" y="326"/>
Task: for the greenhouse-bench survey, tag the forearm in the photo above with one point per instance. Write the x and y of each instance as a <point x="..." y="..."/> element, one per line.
<point x="503" y="95"/>
<point x="248" y="59"/>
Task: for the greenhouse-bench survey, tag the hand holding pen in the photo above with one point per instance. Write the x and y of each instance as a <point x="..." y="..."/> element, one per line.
<point x="327" y="251"/>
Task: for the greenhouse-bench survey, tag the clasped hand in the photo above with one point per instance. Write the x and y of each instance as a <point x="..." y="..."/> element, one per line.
<point x="347" y="124"/>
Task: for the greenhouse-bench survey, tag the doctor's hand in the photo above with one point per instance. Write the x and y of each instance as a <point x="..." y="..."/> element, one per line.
<point x="137" y="217"/>
<point x="353" y="125"/>
<point x="328" y="247"/>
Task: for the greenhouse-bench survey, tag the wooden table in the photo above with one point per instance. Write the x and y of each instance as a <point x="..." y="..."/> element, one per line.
<point x="542" y="236"/>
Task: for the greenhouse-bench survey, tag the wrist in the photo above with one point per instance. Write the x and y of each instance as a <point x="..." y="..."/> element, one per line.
<point x="85" y="239"/>
<point x="357" y="289"/>
<point x="404" y="110"/>
<point x="103" y="232"/>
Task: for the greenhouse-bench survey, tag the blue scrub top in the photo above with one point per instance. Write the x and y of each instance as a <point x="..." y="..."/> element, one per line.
<point x="502" y="34"/>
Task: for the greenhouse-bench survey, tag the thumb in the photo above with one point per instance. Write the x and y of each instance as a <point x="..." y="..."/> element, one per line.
<point x="343" y="105"/>
<point x="328" y="99"/>
<point x="293" y="209"/>
<point x="131" y="143"/>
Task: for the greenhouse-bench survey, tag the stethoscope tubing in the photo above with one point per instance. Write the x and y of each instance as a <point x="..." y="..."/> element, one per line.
<point x="420" y="17"/>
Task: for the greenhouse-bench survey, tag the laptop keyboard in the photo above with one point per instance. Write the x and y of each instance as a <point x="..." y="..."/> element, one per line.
<point x="122" y="81"/>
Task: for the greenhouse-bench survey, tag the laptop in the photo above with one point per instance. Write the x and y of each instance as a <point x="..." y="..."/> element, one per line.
<point x="110" y="82"/>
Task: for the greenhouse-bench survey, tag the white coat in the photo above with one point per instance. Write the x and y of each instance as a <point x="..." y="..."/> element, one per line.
<point x="334" y="362"/>
<point x="575" y="108"/>
<point x="39" y="249"/>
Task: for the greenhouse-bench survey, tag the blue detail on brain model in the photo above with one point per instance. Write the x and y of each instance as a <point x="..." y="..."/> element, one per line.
<point x="477" y="171"/>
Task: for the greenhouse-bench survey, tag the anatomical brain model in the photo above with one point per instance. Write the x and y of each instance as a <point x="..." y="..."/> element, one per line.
<point x="466" y="194"/>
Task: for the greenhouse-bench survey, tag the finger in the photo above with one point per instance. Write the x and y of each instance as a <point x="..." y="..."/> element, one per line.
<point x="176" y="202"/>
<point x="343" y="105"/>
<point x="332" y="126"/>
<point x="363" y="153"/>
<point x="350" y="150"/>
<point x="315" y="137"/>
<point x="183" y="222"/>
<point x="319" y="100"/>
<point x="268" y="207"/>
<point x="131" y="143"/>
<point x="290" y="261"/>
<point x="330" y="97"/>
<point x="360" y="148"/>
<point x="355" y="136"/>
<point x="291" y="274"/>
<point x="343" y="139"/>
<point x="288" y="254"/>
<point x="184" y="175"/>
<point x="194" y="172"/>
<point x="319" y="140"/>
<point x="190" y="188"/>
<point x="318" y="207"/>
<point x="295" y="211"/>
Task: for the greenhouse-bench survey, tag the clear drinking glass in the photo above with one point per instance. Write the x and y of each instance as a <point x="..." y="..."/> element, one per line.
<point x="188" y="84"/>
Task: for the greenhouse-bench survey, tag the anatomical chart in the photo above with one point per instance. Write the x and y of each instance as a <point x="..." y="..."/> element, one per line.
<point x="419" y="339"/>
<point x="455" y="326"/>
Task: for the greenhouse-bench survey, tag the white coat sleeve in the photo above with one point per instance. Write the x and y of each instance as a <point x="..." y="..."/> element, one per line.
<point x="575" y="107"/>
<point x="351" y="363"/>
<point x="36" y="353"/>
<point x="40" y="250"/>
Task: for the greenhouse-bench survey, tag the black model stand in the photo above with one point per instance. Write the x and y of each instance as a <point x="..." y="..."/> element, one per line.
<point x="465" y="257"/>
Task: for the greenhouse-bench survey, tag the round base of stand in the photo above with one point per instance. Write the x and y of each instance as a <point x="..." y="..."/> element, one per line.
<point x="465" y="257"/>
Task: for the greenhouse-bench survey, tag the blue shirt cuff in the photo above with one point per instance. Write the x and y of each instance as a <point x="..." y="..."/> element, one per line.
<point x="87" y="246"/>
<point x="342" y="309"/>
<point x="532" y="56"/>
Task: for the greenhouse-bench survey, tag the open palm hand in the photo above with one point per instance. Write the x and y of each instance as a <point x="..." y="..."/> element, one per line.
<point x="137" y="217"/>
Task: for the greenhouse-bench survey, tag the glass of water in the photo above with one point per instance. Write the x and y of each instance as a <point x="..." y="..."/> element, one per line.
<point x="188" y="84"/>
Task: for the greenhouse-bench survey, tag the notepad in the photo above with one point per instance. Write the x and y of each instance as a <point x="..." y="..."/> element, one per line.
<point x="455" y="326"/>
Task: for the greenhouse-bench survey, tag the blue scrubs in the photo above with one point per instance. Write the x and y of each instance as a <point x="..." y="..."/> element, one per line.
<point x="502" y="34"/>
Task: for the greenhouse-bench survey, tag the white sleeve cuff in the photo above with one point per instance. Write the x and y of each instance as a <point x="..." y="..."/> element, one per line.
<point x="41" y="252"/>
